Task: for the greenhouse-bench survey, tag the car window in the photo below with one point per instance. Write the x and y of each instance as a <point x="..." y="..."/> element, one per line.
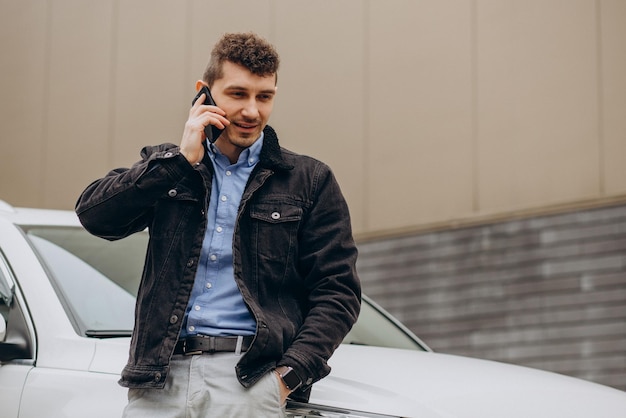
<point x="97" y="303"/>
<point x="97" y="282"/>
<point x="120" y="261"/>
<point x="377" y="328"/>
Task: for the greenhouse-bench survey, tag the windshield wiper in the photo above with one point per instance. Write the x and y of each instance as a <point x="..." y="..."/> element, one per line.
<point x="107" y="333"/>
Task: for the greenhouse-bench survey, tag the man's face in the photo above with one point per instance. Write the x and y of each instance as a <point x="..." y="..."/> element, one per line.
<point x="248" y="100"/>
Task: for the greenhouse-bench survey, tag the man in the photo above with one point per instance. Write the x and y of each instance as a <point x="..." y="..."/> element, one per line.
<point x="249" y="283"/>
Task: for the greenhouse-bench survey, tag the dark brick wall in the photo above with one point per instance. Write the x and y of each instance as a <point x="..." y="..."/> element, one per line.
<point x="547" y="292"/>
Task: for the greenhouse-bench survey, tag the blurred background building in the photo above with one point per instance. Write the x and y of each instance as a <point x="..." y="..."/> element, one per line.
<point x="481" y="144"/>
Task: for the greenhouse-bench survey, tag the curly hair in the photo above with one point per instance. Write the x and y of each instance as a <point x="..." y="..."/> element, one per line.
<point x="246" y="49"/>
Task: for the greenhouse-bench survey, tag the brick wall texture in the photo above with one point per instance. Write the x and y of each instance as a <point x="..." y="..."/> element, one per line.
<point x="547" y="292"/>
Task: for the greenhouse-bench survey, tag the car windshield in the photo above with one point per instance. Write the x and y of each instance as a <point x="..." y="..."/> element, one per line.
<point x="97" y="281"/>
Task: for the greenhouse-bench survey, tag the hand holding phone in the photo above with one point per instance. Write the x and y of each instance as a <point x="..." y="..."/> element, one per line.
<point x="212" y="132"/>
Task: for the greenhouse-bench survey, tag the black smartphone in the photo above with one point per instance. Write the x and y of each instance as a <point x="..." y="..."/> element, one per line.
<point x="212" y="132"/>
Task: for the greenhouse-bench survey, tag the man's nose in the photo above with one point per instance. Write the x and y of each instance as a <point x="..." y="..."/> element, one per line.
<point x="251" y="110"/>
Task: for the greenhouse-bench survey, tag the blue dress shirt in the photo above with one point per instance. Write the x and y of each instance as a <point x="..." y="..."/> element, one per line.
<point x="216" y="306"/>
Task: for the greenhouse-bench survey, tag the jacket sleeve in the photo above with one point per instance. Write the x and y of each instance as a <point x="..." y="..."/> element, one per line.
<point x="328" y="264"/>
<point x="120" y="203"/>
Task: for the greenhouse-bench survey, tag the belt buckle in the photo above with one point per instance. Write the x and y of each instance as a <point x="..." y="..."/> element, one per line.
<point x="189" y="353"/>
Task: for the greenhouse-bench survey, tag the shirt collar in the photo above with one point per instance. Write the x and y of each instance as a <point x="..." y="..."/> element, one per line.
<point x="250" y="155"/>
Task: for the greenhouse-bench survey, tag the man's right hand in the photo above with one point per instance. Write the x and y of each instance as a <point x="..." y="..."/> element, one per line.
<point x="200" y="115"/>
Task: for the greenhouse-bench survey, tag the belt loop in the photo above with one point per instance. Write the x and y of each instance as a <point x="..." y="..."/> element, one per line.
<point x="212" y="344"/>
<point x="239" y="344"/>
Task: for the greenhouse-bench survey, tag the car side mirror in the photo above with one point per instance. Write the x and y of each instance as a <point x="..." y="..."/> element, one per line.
<point x="15" y="338"/>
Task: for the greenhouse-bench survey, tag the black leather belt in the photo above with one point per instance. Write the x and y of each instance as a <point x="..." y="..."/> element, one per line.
<point x="207" y="344"/>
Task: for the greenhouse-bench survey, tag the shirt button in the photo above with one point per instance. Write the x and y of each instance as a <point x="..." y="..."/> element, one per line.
<point x="191" y="328"/>
<point x="172" y="193"/>
<point x="224" y="198"/>
<point x="197" y="308"/>
<point x="228" y="172"/>
<point x="209" y="285"/>
<point x="219" y="229"/>
<point x="213" y="257"/>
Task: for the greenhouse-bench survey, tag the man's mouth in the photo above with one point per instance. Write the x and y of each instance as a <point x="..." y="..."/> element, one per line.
<point x="246" y="125"/>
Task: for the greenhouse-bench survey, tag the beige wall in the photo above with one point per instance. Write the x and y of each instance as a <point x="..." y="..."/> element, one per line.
<point x="429" y="111"/>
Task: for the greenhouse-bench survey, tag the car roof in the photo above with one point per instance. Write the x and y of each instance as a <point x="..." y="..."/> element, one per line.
<point x="31" y="216"/>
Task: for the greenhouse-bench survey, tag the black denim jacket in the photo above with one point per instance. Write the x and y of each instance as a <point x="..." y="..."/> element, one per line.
<point x="294" y="257"/>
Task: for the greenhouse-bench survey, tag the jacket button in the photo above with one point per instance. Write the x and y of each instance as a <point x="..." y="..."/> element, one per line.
<point x="275" y="215"/>
<point x="173" y="319"/>
<point x="190" y="263"/>
<point x="172" y="193"/>
<point x="168" y="155"/>
<point x="157" y="377"/>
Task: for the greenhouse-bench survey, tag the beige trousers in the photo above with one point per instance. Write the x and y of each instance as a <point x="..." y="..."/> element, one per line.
<point x="205" y="386"/>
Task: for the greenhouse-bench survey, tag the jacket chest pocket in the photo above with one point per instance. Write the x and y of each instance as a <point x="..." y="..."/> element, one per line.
<point x="173" y="212"/>
<point x="276" y="213"/>
<point x="275" y="227"/>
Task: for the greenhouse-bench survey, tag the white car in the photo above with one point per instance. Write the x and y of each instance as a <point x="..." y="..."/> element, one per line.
<point x="67" y="300"/>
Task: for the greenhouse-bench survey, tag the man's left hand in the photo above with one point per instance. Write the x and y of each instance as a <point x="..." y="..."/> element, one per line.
<point x="284" y="390"/>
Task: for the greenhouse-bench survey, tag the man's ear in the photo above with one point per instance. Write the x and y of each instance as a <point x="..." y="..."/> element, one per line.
<point x="200" y="84"/>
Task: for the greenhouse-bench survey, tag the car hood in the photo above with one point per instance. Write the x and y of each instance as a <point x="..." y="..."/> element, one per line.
<point x="409" y="383"/>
